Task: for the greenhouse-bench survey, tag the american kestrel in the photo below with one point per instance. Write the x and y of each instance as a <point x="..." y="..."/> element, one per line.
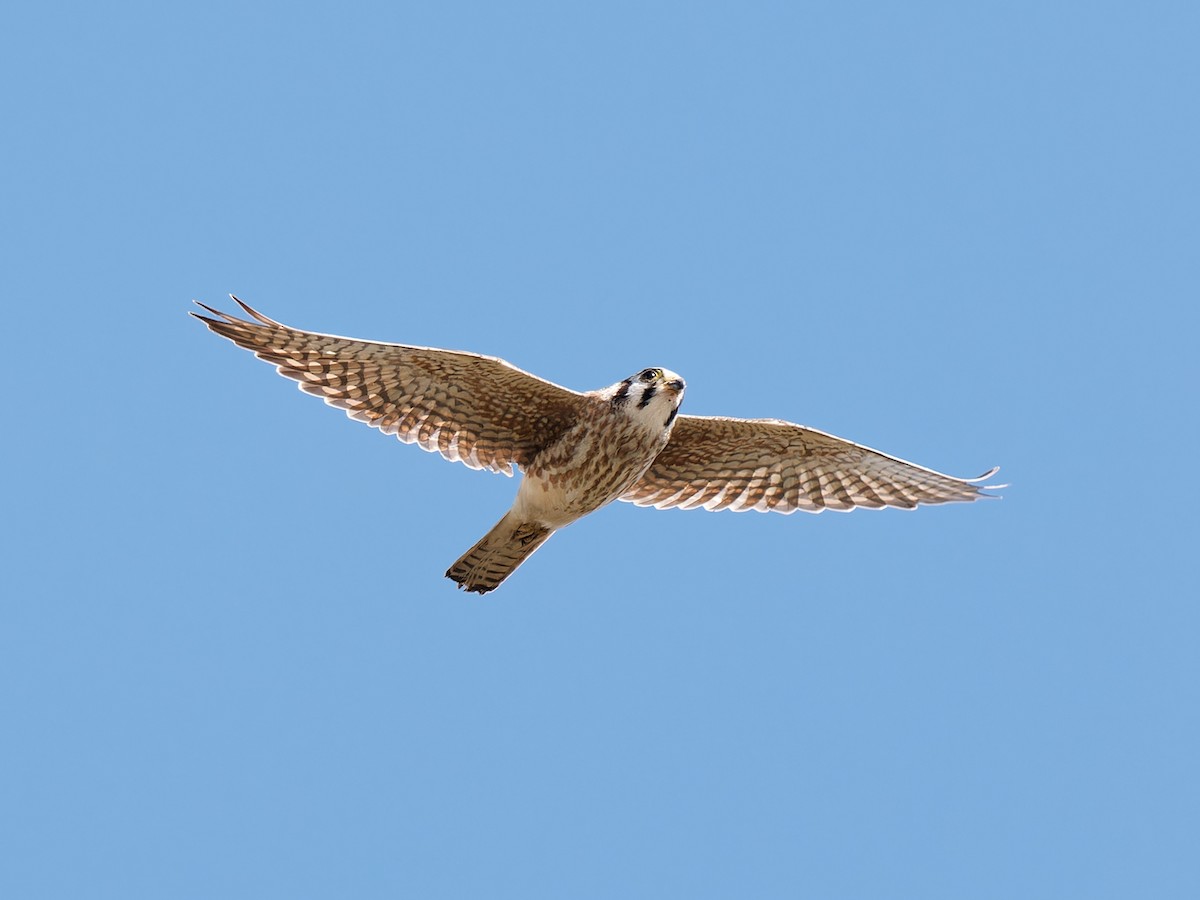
<point x="580" y="451"/>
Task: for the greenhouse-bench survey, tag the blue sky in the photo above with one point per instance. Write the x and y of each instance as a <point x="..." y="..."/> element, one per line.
<point x="965" y="234"/>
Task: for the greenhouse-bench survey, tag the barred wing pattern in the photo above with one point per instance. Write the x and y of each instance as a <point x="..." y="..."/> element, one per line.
<point x="473" y="409"/>
<point x="772" y="465"/>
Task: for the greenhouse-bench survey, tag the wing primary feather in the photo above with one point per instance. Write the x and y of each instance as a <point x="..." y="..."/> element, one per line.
<point x="255" y="313"/>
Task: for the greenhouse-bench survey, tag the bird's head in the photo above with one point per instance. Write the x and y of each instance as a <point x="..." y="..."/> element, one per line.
<point x="652" y="394"/>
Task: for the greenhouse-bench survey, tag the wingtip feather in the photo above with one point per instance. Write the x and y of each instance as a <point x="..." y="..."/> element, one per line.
<point x="206" y="307"/>
<point x="984" y="477"/>
<point x="251" y="311"/>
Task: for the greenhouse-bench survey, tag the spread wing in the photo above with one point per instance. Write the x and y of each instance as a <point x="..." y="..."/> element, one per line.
<point x="473" y="409"/>
<point x="768" y="464"/>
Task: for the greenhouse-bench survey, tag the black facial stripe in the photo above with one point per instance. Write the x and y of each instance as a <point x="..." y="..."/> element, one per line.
<point x="671" y="417"/>
<point x="622" y="393"/>
<point x="648" y="396"/>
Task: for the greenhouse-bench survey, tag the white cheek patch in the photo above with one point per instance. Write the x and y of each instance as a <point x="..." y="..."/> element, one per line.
<point x="646" y="396"/>
<point x="656" y="415"/>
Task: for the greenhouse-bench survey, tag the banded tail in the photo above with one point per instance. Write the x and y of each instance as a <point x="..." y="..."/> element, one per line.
<point x="498" y="553"/>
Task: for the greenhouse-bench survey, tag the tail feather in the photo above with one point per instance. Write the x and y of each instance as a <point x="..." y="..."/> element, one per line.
<point x="498" y="553"/>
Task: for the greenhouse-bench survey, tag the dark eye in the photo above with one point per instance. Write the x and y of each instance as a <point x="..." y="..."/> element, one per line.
<point x="649" y="375"/>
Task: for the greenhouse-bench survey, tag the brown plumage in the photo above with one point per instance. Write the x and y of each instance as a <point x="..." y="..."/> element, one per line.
<point x="580" y="451"/>
<point x="769" y="465"/>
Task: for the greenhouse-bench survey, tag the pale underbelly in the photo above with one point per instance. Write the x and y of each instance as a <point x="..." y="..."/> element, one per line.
<point x="557" y="498"/>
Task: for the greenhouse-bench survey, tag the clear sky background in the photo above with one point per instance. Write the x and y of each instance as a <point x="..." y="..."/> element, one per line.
<point x="966" y="234"/>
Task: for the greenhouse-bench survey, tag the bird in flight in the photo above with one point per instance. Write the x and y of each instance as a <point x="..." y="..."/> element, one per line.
<point x="581" y="451"/>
